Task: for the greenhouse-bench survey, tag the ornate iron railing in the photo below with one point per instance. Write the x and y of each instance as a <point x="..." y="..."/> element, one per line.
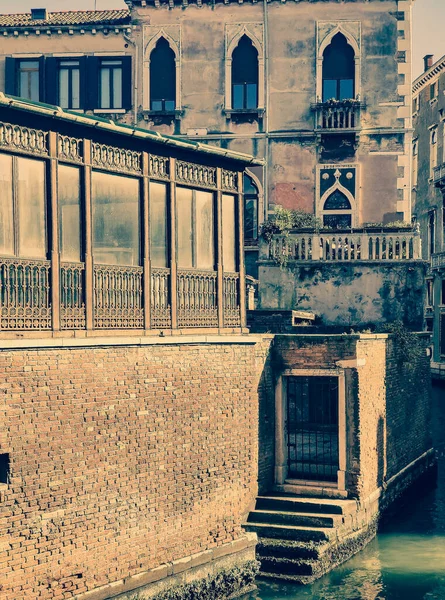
<point x="337" y="115"/>
<point x="159" y="167"/>
<point x="231" y="293"/>
<point x="345" y="246"/>
<point x="118" y="297"/>
<point x="72" y="296"/>
<point x="25" y="294"/>
<point x="194" y="174"/>
<point x="161" y="316"/>
<point x="69" y="148"/>
<point x="23" y="139"/>
<point x="116" y="159"/>
<point x="438" y="260"/>
<point x="229" y="180"/>
<point x="197" y="299"/>
<point x="439" y="175"/>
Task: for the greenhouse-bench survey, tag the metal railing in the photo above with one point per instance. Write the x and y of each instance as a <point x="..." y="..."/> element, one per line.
<point x="337" y="115"/>
<point x="197" y="301"/>
<point x="439" y="175"/>
<point x="438" y="260"/>
<point x="344" y="246"/>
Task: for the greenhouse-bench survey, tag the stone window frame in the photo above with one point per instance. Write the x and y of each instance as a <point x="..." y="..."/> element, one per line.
<point x="323" y="43"/>
<point x="354" y="200"/>
<point x="229" y="49"/>
<point x="149" y="47"/>
<point x="281" y="450"/>
<point x="433" y="148"/>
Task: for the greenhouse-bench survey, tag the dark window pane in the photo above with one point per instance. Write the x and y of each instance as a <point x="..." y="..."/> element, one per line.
<point x="229" y="232"/>
<point x="337" y="221"/>
<point x="329" y="89"/>
<point x="116" y="219"/>
<point x="6" y="218"/>
<point x="184" y="207"/>
<point x="251" y="95"/>
<point x="250" y="217"/>
<point x="337" y="201"/>
<point x="31" y="207"/>
<point x="346" y="89"/>
<point x="69" y="219"/>
<point x="158" y="225"/>
<point x="162" y="76"/>
<point x="245" y="62"/>
<point x="238" y="96"/>
<point x="204" y="231"/>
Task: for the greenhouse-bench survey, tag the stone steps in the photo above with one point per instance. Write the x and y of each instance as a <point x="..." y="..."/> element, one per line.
<point x="297" y="535"/>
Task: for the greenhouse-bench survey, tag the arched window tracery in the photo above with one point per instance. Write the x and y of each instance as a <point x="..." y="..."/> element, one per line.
<point x="338" y="73"/>
<point x="245" y="75"/>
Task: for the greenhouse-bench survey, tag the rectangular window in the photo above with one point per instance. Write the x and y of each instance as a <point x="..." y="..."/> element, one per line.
<point x="432" y="232"/>
<point x="245" y="95"/>
<point x="229" y="222"/>
<point x="31" y="208"/>
<point x="116" y="219"/>
<point x="195" y="229"/>
<point x="110" y="84"/>
<point x="158" y="225"/>
<point x="433" y="90"/>
<point x="6" y="206"/>
<point x="338" y="89"/>
<point x="28" y="79"/>
<point x="70" y="216"/>
<point x="433" y="151"/>
<point x="69" y="84"/>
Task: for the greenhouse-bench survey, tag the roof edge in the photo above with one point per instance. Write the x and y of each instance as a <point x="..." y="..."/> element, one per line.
<point x="56" y="112"/>
<point x="435" y="69"/>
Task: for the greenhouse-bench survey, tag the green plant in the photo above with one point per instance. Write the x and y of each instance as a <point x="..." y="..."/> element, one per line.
<point x="285" y="219"/>
<point x="390" y="225"/>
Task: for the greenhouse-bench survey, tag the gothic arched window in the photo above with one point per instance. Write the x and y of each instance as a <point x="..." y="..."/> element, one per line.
<point x="338" y="70"/>
<point x="245" y="75"/>
<point x="337" y="211"/>
<point x="162" y="77"/>
<point x="250" y="209"/>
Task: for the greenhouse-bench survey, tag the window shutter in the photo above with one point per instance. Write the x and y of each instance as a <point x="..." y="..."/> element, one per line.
<point x="51" y="83"/>
<point x="10" y="78"/>
<point x="92" y="83"/>
<point x="126" y="82"/>
<point x="42" y="79"/>
<point x="83" y="81"/>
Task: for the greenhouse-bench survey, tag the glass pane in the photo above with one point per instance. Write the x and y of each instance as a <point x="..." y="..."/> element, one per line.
<point x="76" y="88"/>
<point x="6" y="218"/>
<point x="170" y="105"/>
<point x="346" y="89"/>
<point x="117" y="88"/>
<point x="31" y="207"/>
<point x="69" y="207"/>
<point x="229" y="233"/>
<point x="251" y="90"/>
<point x="116" y="218"/>
<point x="204" y="238"/>
<point x="63" y="88"/>
<point x="238" y="96"/>
<point x="34" y="86"/>
<point x="329" y="89"/>
<point x="156" y="105"/>
<point x="105" y="88"/>
<point x="250" y="218"/>
<point x="184" y="210"/>
<point x="158" y="225"/>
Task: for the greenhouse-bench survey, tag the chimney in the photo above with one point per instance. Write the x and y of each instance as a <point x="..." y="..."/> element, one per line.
<point x="38" y="14"/>
<point x="428" y="62"/>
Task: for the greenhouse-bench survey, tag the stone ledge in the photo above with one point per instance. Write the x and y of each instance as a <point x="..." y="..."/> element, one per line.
<point x="178" y="572"/>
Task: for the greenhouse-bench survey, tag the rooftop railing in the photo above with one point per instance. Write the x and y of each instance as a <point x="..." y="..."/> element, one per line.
<point x="336" y="246"/>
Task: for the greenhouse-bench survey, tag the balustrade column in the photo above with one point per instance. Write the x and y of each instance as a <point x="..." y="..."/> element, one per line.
<point x="54" y="212"/>
<point x="146" y="241"/>
<point x="364" y="247"/>
<point x="241" y="265"/>
<point x="219" y="250"/>
<point x="316" y="247"/>
<point x="87" y="211"/>
<point x="173" y="249"/>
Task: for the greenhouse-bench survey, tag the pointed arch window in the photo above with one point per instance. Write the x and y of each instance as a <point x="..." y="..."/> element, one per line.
<point x="250" y="210"/>
<point x="162" y="77"/>
<point x="245" y="75"/>
<point x="337" y="211"/>
<point x="338" y="73"/>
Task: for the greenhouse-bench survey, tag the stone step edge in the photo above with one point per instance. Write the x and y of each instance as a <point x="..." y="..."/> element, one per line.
<point x="330" y="532"/>
<point x="291" y="513"/>
<point x="347" y="506"/>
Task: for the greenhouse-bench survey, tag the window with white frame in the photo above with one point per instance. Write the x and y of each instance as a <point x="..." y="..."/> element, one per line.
<point x="415" y="161"/>
<point x="433" y="150"/>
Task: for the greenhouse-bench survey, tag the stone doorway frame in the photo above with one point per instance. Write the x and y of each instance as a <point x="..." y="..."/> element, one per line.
<point x="281" y="449"/>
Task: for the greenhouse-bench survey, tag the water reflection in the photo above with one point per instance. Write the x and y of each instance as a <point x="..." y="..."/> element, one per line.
<point x="407" y="559"/>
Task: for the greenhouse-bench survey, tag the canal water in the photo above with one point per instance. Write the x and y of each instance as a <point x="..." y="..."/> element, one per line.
<point x="406" y="561"/>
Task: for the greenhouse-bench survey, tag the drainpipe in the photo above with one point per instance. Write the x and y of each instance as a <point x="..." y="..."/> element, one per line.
<point x="136" y="73"/>
<point x="266" y="110"/>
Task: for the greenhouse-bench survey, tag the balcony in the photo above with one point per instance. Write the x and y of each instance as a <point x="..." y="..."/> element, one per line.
<point x="439" y="176"/>
<point x="337" y="115"/>
<point x="438" y="261"/>
<point x="347" y="246"/>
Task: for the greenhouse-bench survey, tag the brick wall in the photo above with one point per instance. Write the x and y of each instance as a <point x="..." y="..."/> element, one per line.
<point x="123" y="458"/>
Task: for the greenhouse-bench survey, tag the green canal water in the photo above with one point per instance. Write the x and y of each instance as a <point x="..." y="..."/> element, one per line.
<point x="406" y="561"/>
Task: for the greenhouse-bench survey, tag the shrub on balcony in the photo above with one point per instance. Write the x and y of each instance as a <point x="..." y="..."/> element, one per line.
<point x="284" y="220"/>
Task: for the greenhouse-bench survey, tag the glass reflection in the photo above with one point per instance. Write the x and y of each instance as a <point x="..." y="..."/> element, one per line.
<point x="69" y="208"/>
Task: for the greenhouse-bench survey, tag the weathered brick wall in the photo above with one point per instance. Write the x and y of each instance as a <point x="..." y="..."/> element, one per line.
<point x="408" y="388"/>
<point x="312" y="351"/>
<point x="123" y="458"/>
<point x="266" y="424"/>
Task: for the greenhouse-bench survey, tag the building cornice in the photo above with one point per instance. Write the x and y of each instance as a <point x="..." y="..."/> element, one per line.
<point x="427" y="77"/>
<point x="172" y="3"/>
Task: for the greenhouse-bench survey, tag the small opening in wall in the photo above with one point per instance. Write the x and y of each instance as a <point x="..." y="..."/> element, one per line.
<point x="4" y="468"/>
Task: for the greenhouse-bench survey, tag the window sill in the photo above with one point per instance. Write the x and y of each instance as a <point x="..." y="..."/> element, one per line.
<point x="229" y="112"/>
<point x="109" y="111"/>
